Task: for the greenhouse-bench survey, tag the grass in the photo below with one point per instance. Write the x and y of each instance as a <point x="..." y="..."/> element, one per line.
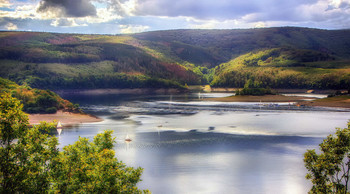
<point x="329" y="64"/>
<point x="313" y="71"/>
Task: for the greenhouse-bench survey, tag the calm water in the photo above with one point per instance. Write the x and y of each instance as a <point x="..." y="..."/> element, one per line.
<point x="189" y="146"/>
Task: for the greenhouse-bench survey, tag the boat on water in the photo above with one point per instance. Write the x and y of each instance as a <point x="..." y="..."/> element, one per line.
<point x="127" y="138"/>
<point x="59" y="128"/>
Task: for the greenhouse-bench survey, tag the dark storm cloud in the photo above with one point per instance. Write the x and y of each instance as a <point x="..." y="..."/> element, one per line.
<point x="70" y="8"/>
<point x="219" y="9"/>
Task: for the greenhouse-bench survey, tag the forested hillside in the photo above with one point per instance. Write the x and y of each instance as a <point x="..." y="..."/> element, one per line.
<point x="284" y="68"/>
<point x="36" y="100"/>
<point x="276" y="57"/>
<point x="47" y="60"/>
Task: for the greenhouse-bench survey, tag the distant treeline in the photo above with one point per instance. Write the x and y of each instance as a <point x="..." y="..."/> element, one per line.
<point x="282" y="78"/>
<point x="101" y="81"/>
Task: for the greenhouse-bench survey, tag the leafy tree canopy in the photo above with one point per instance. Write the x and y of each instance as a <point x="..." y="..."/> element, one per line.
<point x="30" y="161"/>
<point x="329" y="170"/>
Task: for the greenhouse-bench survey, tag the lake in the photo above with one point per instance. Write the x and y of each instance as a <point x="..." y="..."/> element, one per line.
<point x="186" y="145"/>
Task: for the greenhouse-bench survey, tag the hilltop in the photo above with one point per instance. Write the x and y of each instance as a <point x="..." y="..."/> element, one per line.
<point x="286" y="57"/>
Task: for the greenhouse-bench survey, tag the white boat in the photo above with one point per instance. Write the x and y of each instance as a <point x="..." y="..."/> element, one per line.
<point x="59" y="128"/>
<point x="127" y="138"/>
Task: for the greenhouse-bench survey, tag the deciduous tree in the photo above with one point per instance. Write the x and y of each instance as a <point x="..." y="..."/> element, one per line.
<point x="30" y="161"/>
<point x="329" y="170"/>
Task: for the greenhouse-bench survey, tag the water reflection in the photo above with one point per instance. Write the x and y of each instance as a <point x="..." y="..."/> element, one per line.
<point x="215" y="150"/>
<point x="219" y="163"/>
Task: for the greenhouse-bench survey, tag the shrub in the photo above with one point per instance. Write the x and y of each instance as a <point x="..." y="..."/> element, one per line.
<point x="254" y="91"/>
<point x="51" y="110"/>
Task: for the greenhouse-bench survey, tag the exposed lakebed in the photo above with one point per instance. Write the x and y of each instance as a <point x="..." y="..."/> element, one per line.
<point x="186" y="145"/>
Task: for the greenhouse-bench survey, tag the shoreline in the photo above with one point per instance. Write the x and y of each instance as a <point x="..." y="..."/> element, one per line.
<point x="66" y="118"/>
<point x="266" y="98"/>
<point x="278" y="90"/>
<point x="334" y="102"/>
<point x="175" y="90"/>
<point x="121" y="91"/>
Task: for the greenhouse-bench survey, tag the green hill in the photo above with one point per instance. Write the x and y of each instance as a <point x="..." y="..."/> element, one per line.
<point x="284" y="68"/>
<point x="299" y="57"/>
<point x="47" y="60"/>
<point x="225" y="45"/>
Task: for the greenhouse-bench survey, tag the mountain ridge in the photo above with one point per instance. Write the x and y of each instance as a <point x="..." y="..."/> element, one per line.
<point x="169" y="58"/>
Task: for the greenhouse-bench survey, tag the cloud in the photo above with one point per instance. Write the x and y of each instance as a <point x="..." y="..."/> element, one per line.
<point x="320" y="14"/>
<point x="126" y="29"/>
<point x="217" y="9"/>
<point x="103" y="15"/>
<point x="68" y="8"/>
<point x="11" y="26"/>
<point x="130" y="16"/>
<point x="5" y="3"/>
<point x="63" y="22"/>
<point x="338" y="4"/>
<point x="120" y="7"/>
<point x="205" y="9"/>
<point x="260" y="25"/>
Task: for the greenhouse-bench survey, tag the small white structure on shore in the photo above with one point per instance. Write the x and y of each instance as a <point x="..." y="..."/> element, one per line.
<point x="59" y="128"/>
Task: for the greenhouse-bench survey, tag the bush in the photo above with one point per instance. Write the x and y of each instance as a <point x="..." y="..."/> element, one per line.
<point x="254" y="91"/>
<point x="51" y="110"/>
<point x="34" y="110"/>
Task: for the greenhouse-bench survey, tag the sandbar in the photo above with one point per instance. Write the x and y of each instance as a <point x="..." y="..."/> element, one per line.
<point x="66" y="118"/>
<point x="265" y="98"/>
<point x="336" y="102"/>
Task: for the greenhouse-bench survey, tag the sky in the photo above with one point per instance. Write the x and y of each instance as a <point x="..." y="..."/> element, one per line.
<point x="133" y="16"/>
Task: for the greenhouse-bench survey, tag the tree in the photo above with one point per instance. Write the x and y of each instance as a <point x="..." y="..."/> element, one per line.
<point x="25" y="153"/>
<point x="30" y="161"/>
<point x="92" y="167"/>
<point x="329" y="171"/>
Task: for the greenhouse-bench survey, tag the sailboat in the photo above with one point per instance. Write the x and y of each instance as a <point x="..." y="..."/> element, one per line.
<point x="127" y="138"/>
<point x="59" y="128"/>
